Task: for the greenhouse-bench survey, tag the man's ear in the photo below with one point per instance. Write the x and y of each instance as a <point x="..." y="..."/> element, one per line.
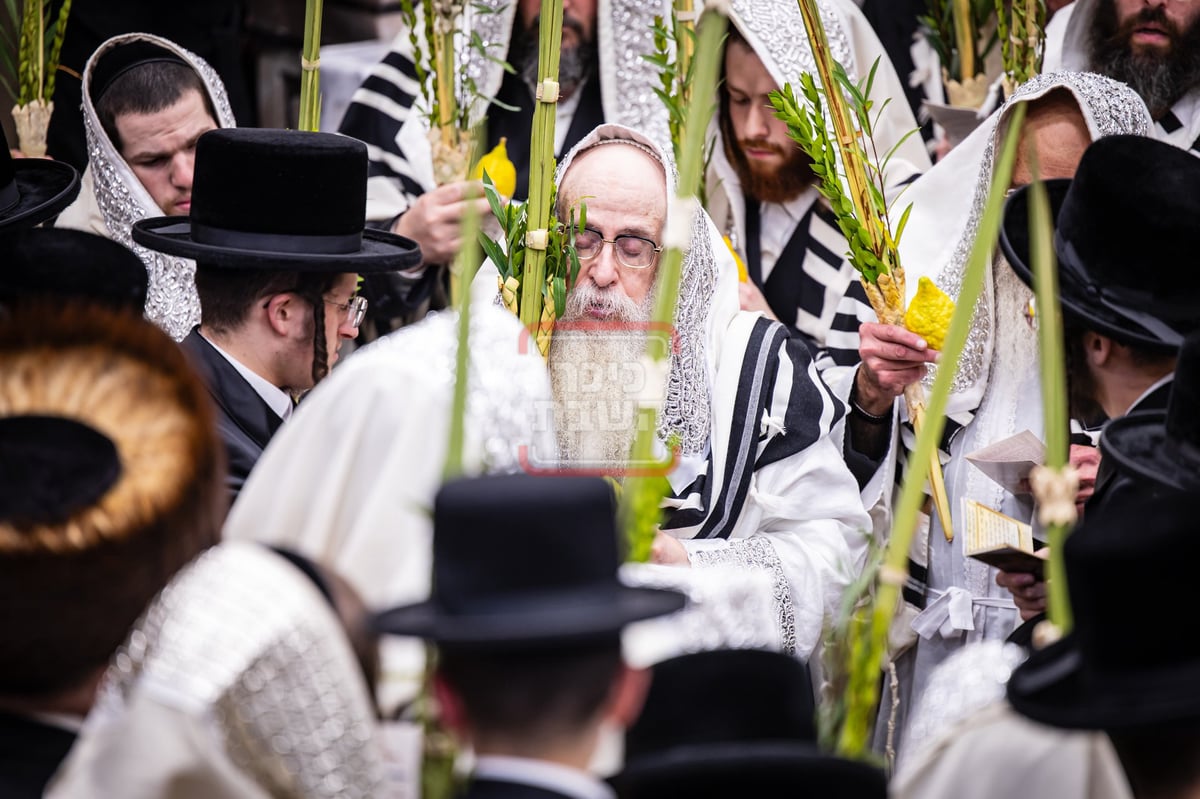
<point x="627" y="695"/>
<point x="1098" y="348"/>
<point x="282" y="312"/>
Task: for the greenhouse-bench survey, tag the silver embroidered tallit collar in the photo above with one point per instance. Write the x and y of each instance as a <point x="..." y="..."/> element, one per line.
<point x="775" y="30"/>
<point x="688" y="409"/>
<point x="624" y="34"/>
<point x="171" y="300"/>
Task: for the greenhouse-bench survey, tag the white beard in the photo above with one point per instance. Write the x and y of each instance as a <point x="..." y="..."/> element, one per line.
<point x="595" y="405"/>
<point x="596" y="378"/>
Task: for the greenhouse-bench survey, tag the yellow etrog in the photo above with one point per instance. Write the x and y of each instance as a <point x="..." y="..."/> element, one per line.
<point x="499" y="169"/>
<point x="929" y="313"/>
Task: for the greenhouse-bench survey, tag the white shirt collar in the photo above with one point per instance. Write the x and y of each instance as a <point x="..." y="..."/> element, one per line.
<point x="779" y="223"/>
<point x="564" y="113"/>
<point x="542" y="774"/>
<point x="276" y="398"/>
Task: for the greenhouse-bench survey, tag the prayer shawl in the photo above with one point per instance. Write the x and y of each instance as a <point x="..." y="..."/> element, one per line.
<point x="386" y="111"/>
<point x="112" y="198"/>
<point x="1067" y="49"/>
<point x="956" y="597"/>
<point x="760" y="482"/>
<point x="825" y="301"/>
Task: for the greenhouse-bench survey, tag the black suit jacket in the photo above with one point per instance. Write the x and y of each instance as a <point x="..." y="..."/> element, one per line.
<point x="1112" y="484"/>
<point x="245" y="422"/>
<point x="499" y="789"/>
<point x="30" y="753"/>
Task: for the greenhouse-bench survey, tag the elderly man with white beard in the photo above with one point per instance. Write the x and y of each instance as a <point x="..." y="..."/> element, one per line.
<point x="757" y="480"/>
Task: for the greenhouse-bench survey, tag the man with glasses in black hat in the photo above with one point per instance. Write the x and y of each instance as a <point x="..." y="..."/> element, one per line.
<point x="277" y="271"/>
<point x="527" y="616"/>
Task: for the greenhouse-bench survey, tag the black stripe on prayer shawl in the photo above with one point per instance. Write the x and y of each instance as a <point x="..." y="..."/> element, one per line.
<point x="1170" y="123"/>
<point x="717" y="515"/>
<point x="379" y="128"/>
<point x="765" y="339"/>
<point x="807" y="406"/>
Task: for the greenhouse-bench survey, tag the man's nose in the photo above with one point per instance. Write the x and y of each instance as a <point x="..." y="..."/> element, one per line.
<point x="183" y="165"/>
<point x="756" y="122"/>
<point x="604" y="267"/>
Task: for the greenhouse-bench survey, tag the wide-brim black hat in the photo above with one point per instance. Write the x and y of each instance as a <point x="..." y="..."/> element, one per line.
<point x="753" y="733"/>
<point x="1163" y="447"/>
<point x="39" y="189"/>
<point x="522" y="561"/>
<point x="1120" y="668"/>
<point x="58" y="263"/>
<point x="279" y="199"/>
<point x="1123" y="226"/>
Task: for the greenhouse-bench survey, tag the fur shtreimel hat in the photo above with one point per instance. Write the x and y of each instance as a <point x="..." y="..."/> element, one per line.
<point x="111" y="473"/>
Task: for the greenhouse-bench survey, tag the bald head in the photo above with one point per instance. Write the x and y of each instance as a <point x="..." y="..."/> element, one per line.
<point x="615" y="166"/>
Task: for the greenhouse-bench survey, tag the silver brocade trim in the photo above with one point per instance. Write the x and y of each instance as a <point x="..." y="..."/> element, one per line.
<point x="508" y="395"/>
<point x="632" y="38"/>
<point x="966" y="682"/>
<point x="687" y="411"/>
<point x="171" y="300"/>
<point x="775" y="28"/>
<point x="757" y="553"/>
<point x="242" y="634"/>
<point x="1109" y="108"/>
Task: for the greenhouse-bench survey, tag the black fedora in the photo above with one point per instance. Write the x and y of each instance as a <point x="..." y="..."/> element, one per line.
<point x="1121" y="667"/>
<point x="735" y="723"/>
<point x="1125" y="229"/>
<point x="33" y="190"/>
<point x="1163" y="446"/>
<point x="525" y="561"/>
<point x="279" y="199"/>
<point x="60" y="264"/>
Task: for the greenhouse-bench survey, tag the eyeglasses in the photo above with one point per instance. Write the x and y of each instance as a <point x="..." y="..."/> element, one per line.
<point x="355" y="310"/>
<point x="632" y="251"/>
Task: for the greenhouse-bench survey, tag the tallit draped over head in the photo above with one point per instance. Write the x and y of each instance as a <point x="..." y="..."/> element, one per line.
<point x="707" y="294"/>
<point x="120" y="199"/>
<point x="948" y="204"/>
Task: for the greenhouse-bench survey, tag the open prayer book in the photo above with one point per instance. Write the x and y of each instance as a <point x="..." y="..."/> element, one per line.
<point x="999" y="540"/>
<point x="1010" y="461"/>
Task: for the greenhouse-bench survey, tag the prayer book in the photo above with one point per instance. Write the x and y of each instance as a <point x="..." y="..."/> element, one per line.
<point x="999" y="540"/>
<point x="1010" y="461"/>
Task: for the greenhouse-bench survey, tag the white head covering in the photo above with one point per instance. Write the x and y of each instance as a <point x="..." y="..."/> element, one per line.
<point x="708" y="297"/>
<point x="171" y="300"/>
<point x="948" y="203"/>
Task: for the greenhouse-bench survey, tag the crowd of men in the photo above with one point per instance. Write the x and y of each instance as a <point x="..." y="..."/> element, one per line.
<point x="232" y="562"/>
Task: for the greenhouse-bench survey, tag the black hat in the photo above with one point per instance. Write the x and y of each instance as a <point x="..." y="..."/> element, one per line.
<point x="735" y="723"/>
<point x="58" y="263"/>
<point x="279" y="199"/>
<point x="525" y="561"/>
<point x="1122" y="666"/>
<point x="1125" y="231"/>
<point x="1164" y="446"/>
<point x="33" y="190"/>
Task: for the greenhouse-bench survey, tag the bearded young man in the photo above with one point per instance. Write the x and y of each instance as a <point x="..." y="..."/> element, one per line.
<point x="602" y="77"/>
<point x="1151" y="45"/>
<point x="761" y="190"/>
<point x="757" y="480"/>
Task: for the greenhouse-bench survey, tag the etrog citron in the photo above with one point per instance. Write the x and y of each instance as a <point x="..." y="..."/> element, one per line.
<point x="499" y="169"/>
<point x="929" y="313"/>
